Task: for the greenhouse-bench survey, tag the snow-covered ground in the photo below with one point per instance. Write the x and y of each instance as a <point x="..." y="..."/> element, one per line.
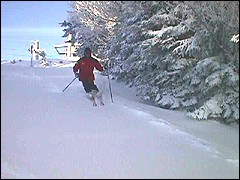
<point x="48" y="133"/>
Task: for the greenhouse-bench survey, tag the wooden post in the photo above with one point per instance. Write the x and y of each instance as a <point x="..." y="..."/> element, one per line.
<point x="31" y="61"/>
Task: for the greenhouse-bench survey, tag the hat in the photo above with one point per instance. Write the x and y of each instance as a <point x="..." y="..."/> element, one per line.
<point x="87" y="50"/>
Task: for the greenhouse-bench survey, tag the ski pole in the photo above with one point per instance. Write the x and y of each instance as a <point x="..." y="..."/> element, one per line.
<point x="110" y="88"/>
<point x="109" y="81"/>
<point x="69" y="84"/>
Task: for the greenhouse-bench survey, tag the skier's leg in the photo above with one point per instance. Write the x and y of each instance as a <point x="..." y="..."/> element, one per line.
<point x="88" y="90"/>
<point x="96" y="92"/>
<point x="94" y="86"/>
<point x="86" y="86"/>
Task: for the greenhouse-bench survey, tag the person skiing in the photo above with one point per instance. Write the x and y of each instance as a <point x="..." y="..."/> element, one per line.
<point x="83" y="70"/>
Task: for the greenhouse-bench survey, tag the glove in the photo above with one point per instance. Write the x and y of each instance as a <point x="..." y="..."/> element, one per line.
<point x="104" y="72"/>
<point x="76" y="75"/>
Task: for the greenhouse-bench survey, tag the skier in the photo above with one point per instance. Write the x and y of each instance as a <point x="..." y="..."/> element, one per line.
<point x="83" y="70"/>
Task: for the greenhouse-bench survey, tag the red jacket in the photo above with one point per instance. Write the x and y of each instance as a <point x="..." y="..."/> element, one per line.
<point x="85" y="67"/>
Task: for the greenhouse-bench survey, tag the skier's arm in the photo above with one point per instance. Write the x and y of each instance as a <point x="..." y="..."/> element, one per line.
<point x="75" y="68"/>
<point x="97" y="65"/>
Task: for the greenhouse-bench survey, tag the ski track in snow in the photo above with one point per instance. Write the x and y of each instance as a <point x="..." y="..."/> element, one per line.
<point x="195" y="141"/>
<point x="8" y="170"/>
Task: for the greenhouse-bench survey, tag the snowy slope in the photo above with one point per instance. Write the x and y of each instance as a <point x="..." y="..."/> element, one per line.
<point x="47" y="133"/>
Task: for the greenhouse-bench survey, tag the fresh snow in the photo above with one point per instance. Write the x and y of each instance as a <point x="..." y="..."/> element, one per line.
<point x="47" y="133"/>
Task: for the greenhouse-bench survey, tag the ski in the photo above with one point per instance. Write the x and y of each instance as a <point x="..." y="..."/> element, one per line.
<point x="96" y="95"/>
<point x="94" y="103"/>
<point x="100" y="98"/>
<point x="91" y="97"/>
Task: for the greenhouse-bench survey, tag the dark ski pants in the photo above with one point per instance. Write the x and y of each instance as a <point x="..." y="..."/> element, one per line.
<point x="89" y="86"/>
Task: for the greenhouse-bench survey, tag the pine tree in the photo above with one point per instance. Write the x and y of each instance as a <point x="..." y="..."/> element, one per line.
<point x="91" y="23"/>
<point x="175" y="61"/>
<point x="178" y="54"/>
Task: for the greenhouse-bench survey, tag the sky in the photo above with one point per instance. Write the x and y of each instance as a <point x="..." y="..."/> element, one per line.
<point x="33" y="14"/>
<point x="24" y="21"/>
<point x="48" y="133"/>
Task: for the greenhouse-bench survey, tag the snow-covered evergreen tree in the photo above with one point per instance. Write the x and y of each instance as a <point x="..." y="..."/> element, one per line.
<point x="220" y="90"/>
<point x="91" y="23"/>
<point x="174" y="60"/>
<point x="179" y="55"/>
